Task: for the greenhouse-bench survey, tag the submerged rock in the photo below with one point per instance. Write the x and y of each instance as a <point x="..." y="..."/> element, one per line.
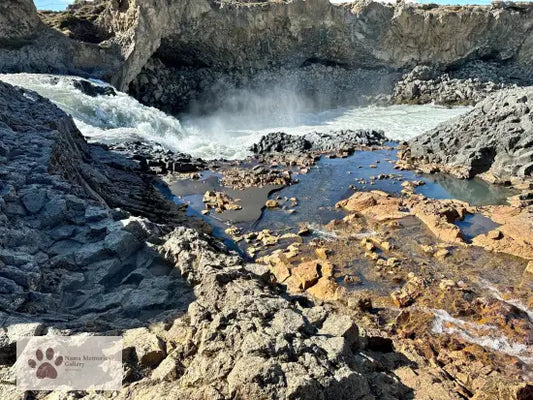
<point x="90" y="89"/>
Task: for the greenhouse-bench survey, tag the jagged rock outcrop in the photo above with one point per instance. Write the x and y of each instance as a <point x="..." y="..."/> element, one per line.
<point x="280" y="142"/>
<point x="425" y="85"/>
<point x="65" y="245"/>
<point x="18" y="20"/>
<point x="493" y="140"/>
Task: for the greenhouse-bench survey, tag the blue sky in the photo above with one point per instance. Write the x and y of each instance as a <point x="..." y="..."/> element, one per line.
<point x="51" y="4"/>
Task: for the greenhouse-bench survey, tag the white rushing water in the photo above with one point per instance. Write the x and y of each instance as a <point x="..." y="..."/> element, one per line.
<point x="484" y="335"/>
<point x="222" y="134"/>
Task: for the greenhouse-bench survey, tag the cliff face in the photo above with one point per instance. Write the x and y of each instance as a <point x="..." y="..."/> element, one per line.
<point x="26" y="44"/>
<point x="18" y="19"/>
<point x="360" y="35"/>
<point x="229" y="36"/>
<point x="365" y="35"/>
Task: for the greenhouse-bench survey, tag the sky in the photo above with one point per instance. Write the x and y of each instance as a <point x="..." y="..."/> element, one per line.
<point x="51" y="4"/>
<point x="61" y="4"/>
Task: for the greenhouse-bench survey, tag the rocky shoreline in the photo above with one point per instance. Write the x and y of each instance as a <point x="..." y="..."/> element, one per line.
<point x="110" y="260"/>
<point x="492" y="141"/>
<point x="144" y="260"/>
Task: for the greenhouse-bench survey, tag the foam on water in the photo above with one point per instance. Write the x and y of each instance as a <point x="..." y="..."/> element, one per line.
<point x="483" y="335"/>
<point x="222" y="134"/>
<point x="493" y="290"/>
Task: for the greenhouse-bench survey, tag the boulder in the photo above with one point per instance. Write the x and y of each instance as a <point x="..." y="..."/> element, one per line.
<point x="343" y="326"/>
<point x="143" y="346"/>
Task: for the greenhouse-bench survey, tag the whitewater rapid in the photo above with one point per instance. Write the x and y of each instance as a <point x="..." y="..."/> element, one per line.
<point x="222" y="134"/>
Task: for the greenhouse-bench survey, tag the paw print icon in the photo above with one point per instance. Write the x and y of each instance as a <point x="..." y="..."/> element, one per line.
<point x="45" y="364"/>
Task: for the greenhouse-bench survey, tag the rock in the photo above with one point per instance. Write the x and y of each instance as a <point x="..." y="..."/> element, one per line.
<point x="54" y="212"/>
<point x="348" y="140"/>
<point x="170" y="369"/>
<point x="281" y="272"/>
<point x="409" y="292"/>
<point x="304" y="232"/>
<point x="145" y="346"/>
<point x="307" y="273"/>
<point x="220" y="201"/>
<point x="442" y="253"/>
<point x="122" y="243"/>
<point x="495" y="234"/>
<point x="446" y="284"/>
<point x="324" y="289"/>
<point x="322" y="253"/>
<point x="92" y="253"/>
<point x="529" y="268"/>
<point x="157" y="159"/>
<point x="272" y="204"/>
<point x="425" y="84"/>
<point x="387" y="246"/>
<point x="96" y="214"/>
<point x="352" y="280"/>
<point x="34" y="200"/>
<point x="343" y="326"/>
<point x="93" y="90"/>
<point x="493" y="139"/>
<point x="280" y="142"/>
<point x="376" y="205"/>
<point x="288" y="322"/>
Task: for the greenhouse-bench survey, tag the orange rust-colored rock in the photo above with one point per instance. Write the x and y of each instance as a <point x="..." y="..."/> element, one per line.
<point x="280" y="271"/>
<point x="326" y="269"/>
<point x="376" y="205"/>
<point x="293" y="284"/>
<point x="516" y="231"/>
<point x="322" y="253"/>
<point x="409" y="292"/>
<point x="439" y="215"/>
<point x="307" y="273"/>
<point x="325" y="289"/>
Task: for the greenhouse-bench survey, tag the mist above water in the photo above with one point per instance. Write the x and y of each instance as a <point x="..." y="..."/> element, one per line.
<point x="229" y="130"/>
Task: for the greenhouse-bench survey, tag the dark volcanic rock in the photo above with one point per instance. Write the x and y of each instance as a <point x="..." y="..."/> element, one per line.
<point x="425" y="85"/>
<point x="281" y="142"/>
<point x="93" y="90"/>
<point x="157" y="159"/>
<point x="346" y="140"/>
<point x="495" y="138"/>
<point x="64" y="247"/>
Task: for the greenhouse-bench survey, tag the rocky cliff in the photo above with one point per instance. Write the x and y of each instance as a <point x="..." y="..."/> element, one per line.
<point x="494" y="140"/>
<point x="203" y="38"/>
<point x="192" y="39"/>
<point x="27" y="44"/>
